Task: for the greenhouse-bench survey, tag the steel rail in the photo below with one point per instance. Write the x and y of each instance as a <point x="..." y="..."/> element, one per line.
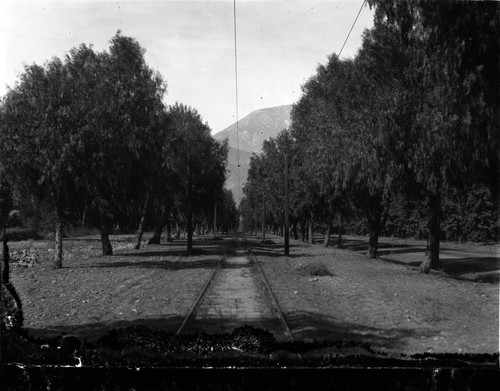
<point x="202" y="292"/>
<point x="273" y="297"/>
<point x="200" y="296"/>
<point x="253" y="257"/>
<point x="253" y="260"/>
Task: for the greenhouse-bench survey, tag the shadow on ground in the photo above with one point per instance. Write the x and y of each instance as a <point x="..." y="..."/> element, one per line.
<point x="272" y="249"/>
<point x="471" y="268"/>
<point x="310" y="326"/>
<point x="485" y="269"/>
<point x="93" y="331"/>
<point x="458" y="264"/>
<point x="157" y="264"/>
<point x="305" y="326"/>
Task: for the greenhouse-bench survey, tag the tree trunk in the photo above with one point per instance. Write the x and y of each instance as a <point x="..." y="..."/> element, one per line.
<point x="326" y="240"/>
<point x="303" y="233"/>
<point x="58" y="257"/>
<point x="34" y="221"/>
<point x="295" y="234"/>
<point x="5" y="260"/>
<point x="107" y="249"/>
<point x="156" y="238"/>
<point x="376" y="223"/>
<point x="177" y="230"/>
<point x="140" y="230"/>
<point x="170" y="218"/>
<point x="15" y="313"/>
<point x="189" y="226"/>
<point x="159" y="226"/>
<point x="339" y="239"/>
<point x="263" y="219"/>
<point x="311" y="228"/>
<point x="4" y="254"/>
<point x="373" y="243"/>
<point x="215" y="218"/>
<point x="434" y="229"/>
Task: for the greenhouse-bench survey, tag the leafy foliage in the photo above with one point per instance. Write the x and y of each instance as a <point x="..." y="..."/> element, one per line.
<point x="89" y="135"/>
<point x="410" y="125"/>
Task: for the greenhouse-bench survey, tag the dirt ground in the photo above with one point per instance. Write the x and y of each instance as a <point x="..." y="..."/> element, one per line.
<point x="153" y="286"/>
<point x="384" y="302"/>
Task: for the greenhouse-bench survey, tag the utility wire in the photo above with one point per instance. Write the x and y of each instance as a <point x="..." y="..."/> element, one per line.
<point x="236" y="82"/>
<point x="355" y="20"/>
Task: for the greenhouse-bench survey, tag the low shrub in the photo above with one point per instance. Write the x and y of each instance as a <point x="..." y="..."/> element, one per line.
<point x="30" y="257"/>
<point x="316" y="269"/>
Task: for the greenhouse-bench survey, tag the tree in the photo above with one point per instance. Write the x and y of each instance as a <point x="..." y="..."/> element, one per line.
<point x="124" y="133"/>
<point x="6" y="202"/>
<point x="374" y="176"/>
<point x="341" y="128"/>
<point x="161" y="178"/>
<point x="85" y="128"/>
<point x="39" y="136"/>
<point x="227" y="213"/>
<point x="265" y="187"/>
<point x="252" y="204"/>
<point x="200" y="163"/>
<point x="448" y="109"/>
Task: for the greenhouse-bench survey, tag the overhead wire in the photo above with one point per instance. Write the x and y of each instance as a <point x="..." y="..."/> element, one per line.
<point x="236" y="93"/>
<point x="355" y="20"/>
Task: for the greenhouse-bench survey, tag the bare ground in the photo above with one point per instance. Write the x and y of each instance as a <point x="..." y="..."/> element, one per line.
<point x="386" y="303"/>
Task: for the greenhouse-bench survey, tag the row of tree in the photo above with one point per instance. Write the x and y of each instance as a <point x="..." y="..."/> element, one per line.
<point x="89" y="137"/>
<point x="413" y="118"/>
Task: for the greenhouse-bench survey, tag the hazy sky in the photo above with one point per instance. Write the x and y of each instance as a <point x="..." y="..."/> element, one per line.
<point x="279" y="44"/>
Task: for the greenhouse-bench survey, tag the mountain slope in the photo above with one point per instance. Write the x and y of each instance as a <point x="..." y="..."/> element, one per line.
<point x="256" y="127"/>
<point x="253" y="129"/>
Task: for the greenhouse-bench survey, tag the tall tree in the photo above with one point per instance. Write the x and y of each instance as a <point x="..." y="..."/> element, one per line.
<point x="201" y="163"/>
<point x="39" y="136"/>
<point x="85" y="128"/>
<point x="448" y="110"/>
<point x="341" y="127"/>
<point x="125" y="131"/>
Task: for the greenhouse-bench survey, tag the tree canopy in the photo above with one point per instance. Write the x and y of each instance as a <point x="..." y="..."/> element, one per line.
<point x="410" y="121"/>
<point x="91" y="132"/>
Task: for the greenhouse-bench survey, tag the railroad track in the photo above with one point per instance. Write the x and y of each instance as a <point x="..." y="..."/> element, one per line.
<point x="236" y="293"/>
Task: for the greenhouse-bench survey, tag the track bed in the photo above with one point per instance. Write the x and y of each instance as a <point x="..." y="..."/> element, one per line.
<point x="236" y="295"/>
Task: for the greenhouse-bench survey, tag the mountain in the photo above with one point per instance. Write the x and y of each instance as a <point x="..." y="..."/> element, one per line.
<point x="256" y="127"/>
<point x="253" y="129"/>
